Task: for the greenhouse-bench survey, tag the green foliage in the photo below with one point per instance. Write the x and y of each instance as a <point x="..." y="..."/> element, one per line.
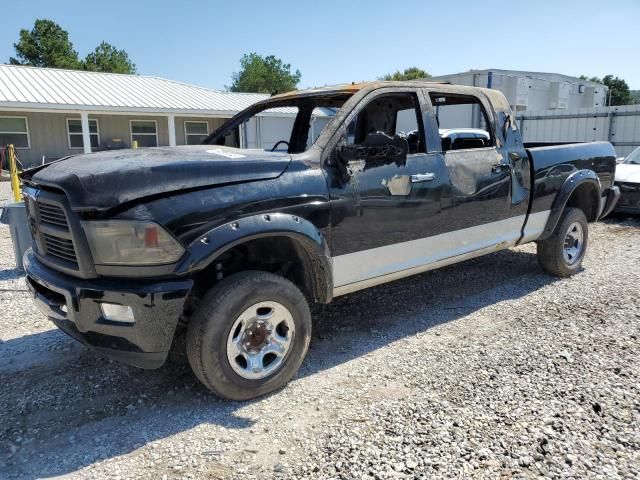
<point x="264" y="75"/>
<point x="107" y="58"/>
<point x="590" y="79"/>
<point x="411" y="73"/>
<point x="48" y="45"/>
<point x="618" y="89"/>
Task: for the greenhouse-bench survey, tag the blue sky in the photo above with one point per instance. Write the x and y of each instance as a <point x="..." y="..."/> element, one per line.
<point x="330" y="41"/>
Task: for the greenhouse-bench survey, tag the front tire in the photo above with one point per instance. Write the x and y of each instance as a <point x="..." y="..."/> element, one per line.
<point x="249" y="335"/>
<point x="562" y="253"/>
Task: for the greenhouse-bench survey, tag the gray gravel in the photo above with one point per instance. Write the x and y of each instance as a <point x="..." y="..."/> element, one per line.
<point x="5" y="191"/>
<point x="488" y="369"/>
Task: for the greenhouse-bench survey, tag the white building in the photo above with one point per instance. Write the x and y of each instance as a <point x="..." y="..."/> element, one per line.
<point x="535" y="90"/>
<point x="553" y="108"/>
<point x="48" y="113"/>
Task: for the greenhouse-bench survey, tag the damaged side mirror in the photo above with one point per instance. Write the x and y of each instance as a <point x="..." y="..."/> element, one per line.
<point x="377" y="146"/>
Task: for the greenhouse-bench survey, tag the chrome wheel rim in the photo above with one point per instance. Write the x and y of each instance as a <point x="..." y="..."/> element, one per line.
<point x="573" y="243"/>
<point x="260" y="339"/>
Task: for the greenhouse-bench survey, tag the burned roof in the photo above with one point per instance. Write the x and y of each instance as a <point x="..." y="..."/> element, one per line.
<point x="494" y="96"/>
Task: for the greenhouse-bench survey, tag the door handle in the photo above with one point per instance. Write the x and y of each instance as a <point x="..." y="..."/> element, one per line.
<point x="501" y="167"/>
<point x="422" y="177"/>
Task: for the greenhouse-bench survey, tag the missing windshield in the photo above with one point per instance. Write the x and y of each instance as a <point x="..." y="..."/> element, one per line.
<point x="289" y="125"/>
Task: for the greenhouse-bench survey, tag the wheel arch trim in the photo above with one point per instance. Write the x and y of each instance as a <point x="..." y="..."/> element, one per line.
<point x="571" y="184"/>
<point x="207" y="247"/>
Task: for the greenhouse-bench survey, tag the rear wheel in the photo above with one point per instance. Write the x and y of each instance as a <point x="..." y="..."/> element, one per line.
<point x="249" y="335"/>
<point x="562" y="253"/>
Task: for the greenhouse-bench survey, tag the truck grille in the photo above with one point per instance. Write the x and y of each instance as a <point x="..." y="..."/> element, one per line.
<point x="49" y="224"/>
<point x="53" y="215"/>
<point x="60" y="247"/>
<point x="31" y="218"/>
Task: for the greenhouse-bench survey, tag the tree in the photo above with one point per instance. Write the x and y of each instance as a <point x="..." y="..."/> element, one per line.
<point x="46" y="45"/>
<point x="411" y="73"/>
<point x="618" y="89"/>
<point x="107" y="58"/>
<point x="264" y="75"/>
<point x="590" y="79"/>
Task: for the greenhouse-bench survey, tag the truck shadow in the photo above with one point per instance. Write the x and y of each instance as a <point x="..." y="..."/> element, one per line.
<point x="11" y="274"/>
<point x="623" y="219"/>
<point x="64" y="408"/>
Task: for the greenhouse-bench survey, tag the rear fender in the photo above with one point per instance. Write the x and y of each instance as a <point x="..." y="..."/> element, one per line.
<point x="209" y="246"/>
<point x="571" y="184"/>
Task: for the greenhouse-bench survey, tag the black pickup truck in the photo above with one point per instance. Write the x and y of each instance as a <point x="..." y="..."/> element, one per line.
<point x="225" y="246"/>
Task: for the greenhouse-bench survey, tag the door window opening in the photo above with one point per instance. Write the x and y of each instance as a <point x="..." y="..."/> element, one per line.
<point x="390" y="114"/>
<point x="462" y="122"/>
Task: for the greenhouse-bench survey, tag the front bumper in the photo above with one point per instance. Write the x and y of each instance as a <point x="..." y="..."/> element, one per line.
<point x="629" y="198"/>
<point x="73" y="305"/>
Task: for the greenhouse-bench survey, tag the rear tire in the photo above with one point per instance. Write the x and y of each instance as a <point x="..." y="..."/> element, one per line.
<point x="249" y="335"/>
<point x="562" y="253"/>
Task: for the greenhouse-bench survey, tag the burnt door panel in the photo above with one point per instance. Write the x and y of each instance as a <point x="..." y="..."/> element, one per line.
<point x="380" y="199"/>
<point x="479" y="171"/>
<point x="382" y="205"/>
<point x="480" y="187"/>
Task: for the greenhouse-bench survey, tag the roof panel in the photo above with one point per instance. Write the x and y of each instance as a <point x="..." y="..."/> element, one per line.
<point x="53" y="82"/>
<point x="48" y="88"/>
<point x="10" y="89"/>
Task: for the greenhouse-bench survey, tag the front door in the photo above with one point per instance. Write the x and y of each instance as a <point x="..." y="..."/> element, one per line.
<point x="386" y="195"/>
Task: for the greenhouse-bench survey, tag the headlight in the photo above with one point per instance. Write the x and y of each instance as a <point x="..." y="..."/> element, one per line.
<point x="131" y="242"/>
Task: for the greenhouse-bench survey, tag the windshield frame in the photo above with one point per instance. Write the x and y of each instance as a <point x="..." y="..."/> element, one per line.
<point x="305" y="103"/>
<point x="635" y="155"/>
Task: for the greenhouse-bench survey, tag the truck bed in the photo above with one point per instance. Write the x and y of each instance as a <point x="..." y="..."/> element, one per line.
<point x="551" y="165"/>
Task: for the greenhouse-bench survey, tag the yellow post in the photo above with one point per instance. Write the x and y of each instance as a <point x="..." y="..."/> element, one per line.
<point x="13" y="171"/>
<point x="134" y="144"/>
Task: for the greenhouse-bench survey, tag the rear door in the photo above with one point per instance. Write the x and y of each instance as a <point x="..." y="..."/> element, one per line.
<point x="479" y="173"/>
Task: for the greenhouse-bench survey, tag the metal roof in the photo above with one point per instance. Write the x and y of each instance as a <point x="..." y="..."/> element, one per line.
<point x="57" y="89"/>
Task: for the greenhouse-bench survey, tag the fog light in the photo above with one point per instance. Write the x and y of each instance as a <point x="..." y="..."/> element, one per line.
<point x="117" y="313"/>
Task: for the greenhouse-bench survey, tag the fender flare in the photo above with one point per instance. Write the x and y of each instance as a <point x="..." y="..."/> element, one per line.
<point x="571" y="183"/>
<point x="207" y="247"/>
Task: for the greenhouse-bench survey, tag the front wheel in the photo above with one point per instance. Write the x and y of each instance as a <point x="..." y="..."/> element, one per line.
<point x="249" y="335"/>
<point x="562" y="253"/>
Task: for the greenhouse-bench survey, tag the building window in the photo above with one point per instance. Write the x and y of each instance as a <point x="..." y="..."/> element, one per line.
<point x="145" y="132"/>
<point x="14" y="131"/>
<point x="74" y="132"/>
<point x="195" y="132"/>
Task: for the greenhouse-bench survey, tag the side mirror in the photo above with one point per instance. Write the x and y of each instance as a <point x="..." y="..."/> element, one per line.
<point x="349" y="153"/>
<point x="377" y="146"/>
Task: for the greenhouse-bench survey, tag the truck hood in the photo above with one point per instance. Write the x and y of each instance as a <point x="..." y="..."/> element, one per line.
<point x="628" y="172"/>
<point x="103" y="180"/>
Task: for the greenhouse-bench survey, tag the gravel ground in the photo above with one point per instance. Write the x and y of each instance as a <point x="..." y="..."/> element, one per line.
<point x="5" y="191"/>
<point x="488" y="369"/>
